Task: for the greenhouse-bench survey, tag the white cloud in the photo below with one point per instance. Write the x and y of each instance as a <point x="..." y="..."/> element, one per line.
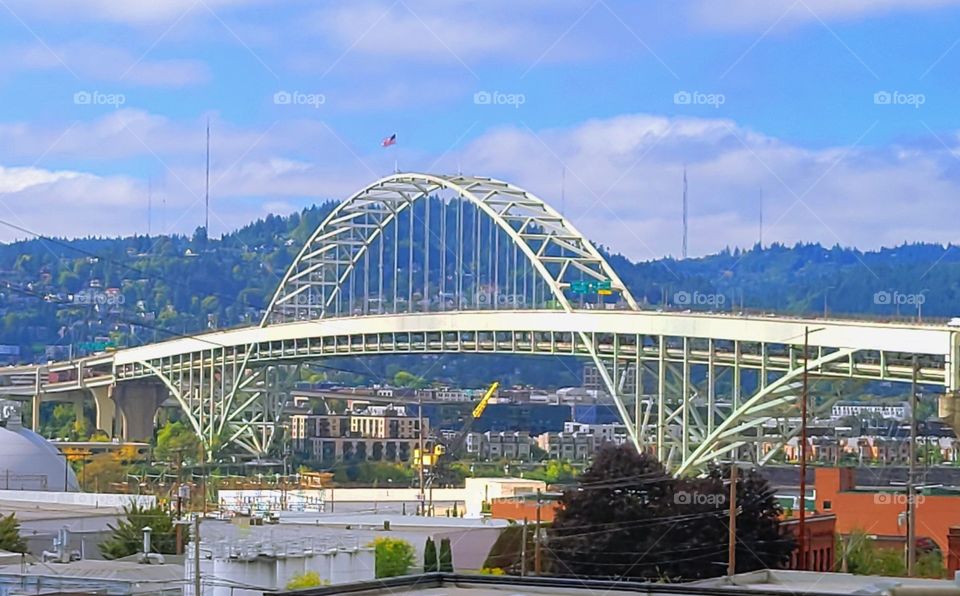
<point x="14" y="180"/>
<point x="101" y="63"/>
<point x="749" y="14"/>
<point x="65" y="203"/>
<point x="133" y="12"/>
<point x="623" y="184"/>
<point x="623" y="179"/>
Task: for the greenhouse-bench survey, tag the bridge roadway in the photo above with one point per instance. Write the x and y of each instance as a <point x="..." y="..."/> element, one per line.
<point x="772" y="345"/>
<point x="515" y="332"/>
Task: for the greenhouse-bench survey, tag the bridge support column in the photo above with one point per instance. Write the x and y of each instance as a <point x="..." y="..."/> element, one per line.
<point x="138" y="404"/>
<point x="35" y="412"/>
<point x="106" y="410"/>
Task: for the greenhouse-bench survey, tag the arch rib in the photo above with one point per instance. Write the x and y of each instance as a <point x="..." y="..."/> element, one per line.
<point x="708" y="448"/>
<point x="392" y="194"/>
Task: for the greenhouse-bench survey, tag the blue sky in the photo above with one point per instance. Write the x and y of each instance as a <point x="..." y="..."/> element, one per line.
<point x="842" y="114"/>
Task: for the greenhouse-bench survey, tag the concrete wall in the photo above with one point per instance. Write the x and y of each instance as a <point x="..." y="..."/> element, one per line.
<point x="111" y="500"/>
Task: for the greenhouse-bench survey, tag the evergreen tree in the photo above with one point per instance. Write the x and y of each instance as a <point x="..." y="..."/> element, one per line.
<point x="446" y="556"/>
<point x="430" y="563"/>
<point x="127" y="536"/>
<point x="10" y="539"/>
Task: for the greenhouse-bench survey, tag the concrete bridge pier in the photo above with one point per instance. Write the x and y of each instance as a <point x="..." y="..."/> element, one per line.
<point x="106" y="416"/>
<point x="35" y="412"/>
<point x="137" y="404"/>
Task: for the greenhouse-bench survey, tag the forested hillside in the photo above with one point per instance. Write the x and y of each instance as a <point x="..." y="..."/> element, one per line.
<point x="78" y="296"/>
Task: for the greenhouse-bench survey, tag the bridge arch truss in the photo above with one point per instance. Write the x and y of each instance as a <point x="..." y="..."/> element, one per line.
<point x="690" y="399"/>
<point x="427" y="264"/>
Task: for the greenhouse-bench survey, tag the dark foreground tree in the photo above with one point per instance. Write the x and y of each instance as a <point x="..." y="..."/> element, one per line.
<point x="127" y="536"/>
<point x="762" y="543"/>
<point x="628" y="518"/>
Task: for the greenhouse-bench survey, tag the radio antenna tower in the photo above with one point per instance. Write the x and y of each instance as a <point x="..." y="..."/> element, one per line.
<point x="206" y="194"/>
<point x="761" y="218"/>
<point x="683" y="252"/>
<point x="149" y="205"/>
<point x="563" y="191"/>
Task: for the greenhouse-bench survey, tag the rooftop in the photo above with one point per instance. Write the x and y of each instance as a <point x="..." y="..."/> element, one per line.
<point x="810" y="582"/>
<point x="442" y="584"/>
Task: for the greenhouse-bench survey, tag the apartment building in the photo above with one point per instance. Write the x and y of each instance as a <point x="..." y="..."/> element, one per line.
<point x="376" y="433"/>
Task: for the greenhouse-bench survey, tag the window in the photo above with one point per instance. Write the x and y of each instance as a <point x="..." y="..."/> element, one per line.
<point x="827" y="505"/>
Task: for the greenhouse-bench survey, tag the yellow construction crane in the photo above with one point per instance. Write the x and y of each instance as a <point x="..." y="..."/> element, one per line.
<point x="430" y="457"/>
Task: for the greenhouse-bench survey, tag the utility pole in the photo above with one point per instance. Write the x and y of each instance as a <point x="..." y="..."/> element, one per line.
<point x="423" y="500"/>
<point x="536" y="540"/>
<point x="203" y="477"/>
<point x="911" y="476"/>
<point x="196" y="556"/>
<point x="732" y="523"/>
<point x="802" y="526"/>
<point x="523" y="549"/>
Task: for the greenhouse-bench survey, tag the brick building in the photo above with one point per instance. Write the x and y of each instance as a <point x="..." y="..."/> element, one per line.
<point x="880" y="513"/>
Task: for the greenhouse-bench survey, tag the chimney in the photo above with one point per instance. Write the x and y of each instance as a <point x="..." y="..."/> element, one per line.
<point x="146" y="540"/>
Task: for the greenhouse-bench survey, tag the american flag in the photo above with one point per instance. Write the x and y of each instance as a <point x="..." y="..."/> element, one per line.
<point x="391" y="140"/>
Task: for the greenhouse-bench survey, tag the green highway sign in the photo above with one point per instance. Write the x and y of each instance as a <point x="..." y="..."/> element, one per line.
<point x="591" y="287"/>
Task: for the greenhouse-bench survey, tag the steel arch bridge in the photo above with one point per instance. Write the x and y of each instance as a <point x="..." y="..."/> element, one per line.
<point x="429" y="264"/>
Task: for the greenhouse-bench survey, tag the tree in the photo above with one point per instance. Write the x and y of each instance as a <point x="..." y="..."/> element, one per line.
<point x="628" y="518"/>
<point x="430" y="563"/>
<point x="406" y="379"/>
<point x="10" y="539"/>
<point x="103" y="470"/>
<point x="506" y="553"/>
<point x="309" y="579"/>
<point x="762" y="543"/>
<point x="127" y="536"/>
<point x="554" y="471"/>
<point x="393" y="557"/>
<point x="863" y="557"/>
<point x="176" y="439"/>
<point x="446" y="556"/>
